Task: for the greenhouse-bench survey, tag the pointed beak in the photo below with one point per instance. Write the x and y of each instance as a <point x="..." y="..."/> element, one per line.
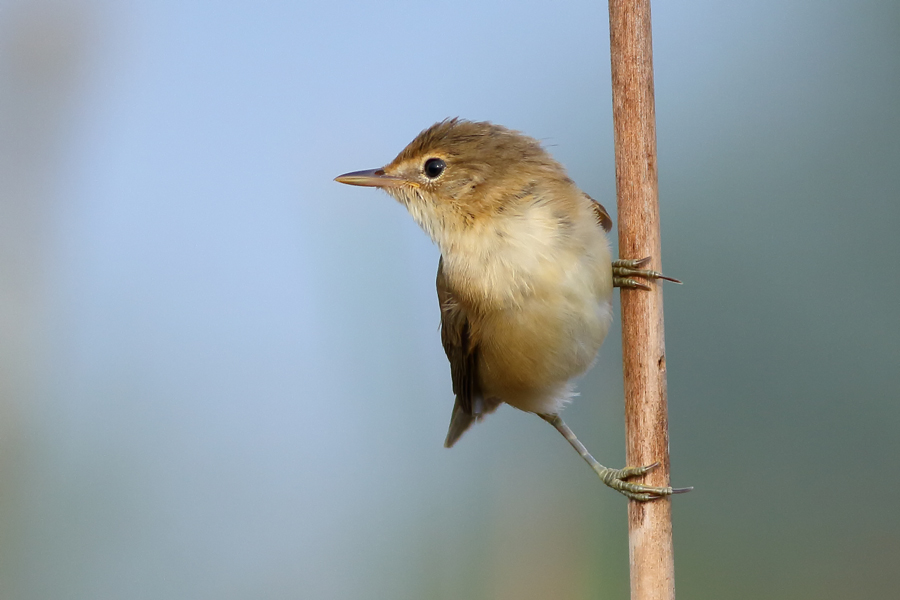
<point x="370" y="178"/>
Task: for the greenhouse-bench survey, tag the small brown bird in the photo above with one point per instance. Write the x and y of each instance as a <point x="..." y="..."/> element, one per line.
<point x="525" y="278"/>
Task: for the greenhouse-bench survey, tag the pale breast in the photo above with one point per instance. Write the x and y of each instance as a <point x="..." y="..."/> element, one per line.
<point x="545" y="307"/>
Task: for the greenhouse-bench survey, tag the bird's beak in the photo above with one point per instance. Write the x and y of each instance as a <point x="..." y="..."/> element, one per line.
<point x="370" y="178"/>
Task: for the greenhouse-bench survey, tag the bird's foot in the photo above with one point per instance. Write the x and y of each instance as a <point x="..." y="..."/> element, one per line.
<point x="624" y="270"/>
<point x="615" y="478"/>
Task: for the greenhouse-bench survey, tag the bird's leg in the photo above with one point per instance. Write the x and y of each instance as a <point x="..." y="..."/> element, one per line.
<point x="624" y="270"/>
<point x="615" y="478"/>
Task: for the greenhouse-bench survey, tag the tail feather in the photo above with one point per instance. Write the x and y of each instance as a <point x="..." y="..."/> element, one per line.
<point x="460" y="421"/>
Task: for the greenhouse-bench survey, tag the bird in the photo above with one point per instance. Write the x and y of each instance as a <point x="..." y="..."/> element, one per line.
<point x="525" y="278"/>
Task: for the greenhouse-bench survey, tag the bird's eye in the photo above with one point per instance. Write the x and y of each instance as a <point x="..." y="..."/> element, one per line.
<point x="434" y="167"/>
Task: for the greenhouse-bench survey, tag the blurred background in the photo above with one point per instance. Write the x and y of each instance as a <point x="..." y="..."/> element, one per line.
<point x="220" y="371"/>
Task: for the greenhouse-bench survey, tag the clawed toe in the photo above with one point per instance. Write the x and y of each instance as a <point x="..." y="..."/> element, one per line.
<point x="624" y="270"/>
<point x="629" y="472"/>
<point x="615" y="478"/>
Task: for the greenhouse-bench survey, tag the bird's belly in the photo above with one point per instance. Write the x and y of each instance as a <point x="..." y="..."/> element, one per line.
<point x="539" y="307"/>
<point x="530" y="354"/>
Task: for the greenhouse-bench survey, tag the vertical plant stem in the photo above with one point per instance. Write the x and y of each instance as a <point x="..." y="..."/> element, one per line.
<point x="643" y="345"/>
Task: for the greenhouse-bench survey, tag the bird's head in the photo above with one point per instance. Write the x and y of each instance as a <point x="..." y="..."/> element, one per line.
<point x="457" y="172"/>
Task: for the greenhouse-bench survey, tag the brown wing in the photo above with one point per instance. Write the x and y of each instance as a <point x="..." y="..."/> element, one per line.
<point x="462" y="352"/>
<point x="603" y="218"/>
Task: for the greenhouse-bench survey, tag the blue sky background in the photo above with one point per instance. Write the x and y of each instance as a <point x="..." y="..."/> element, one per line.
<point x="223" y="370"/>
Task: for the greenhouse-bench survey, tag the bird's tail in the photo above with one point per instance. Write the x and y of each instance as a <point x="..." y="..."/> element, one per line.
<point x="460" y="421"/>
